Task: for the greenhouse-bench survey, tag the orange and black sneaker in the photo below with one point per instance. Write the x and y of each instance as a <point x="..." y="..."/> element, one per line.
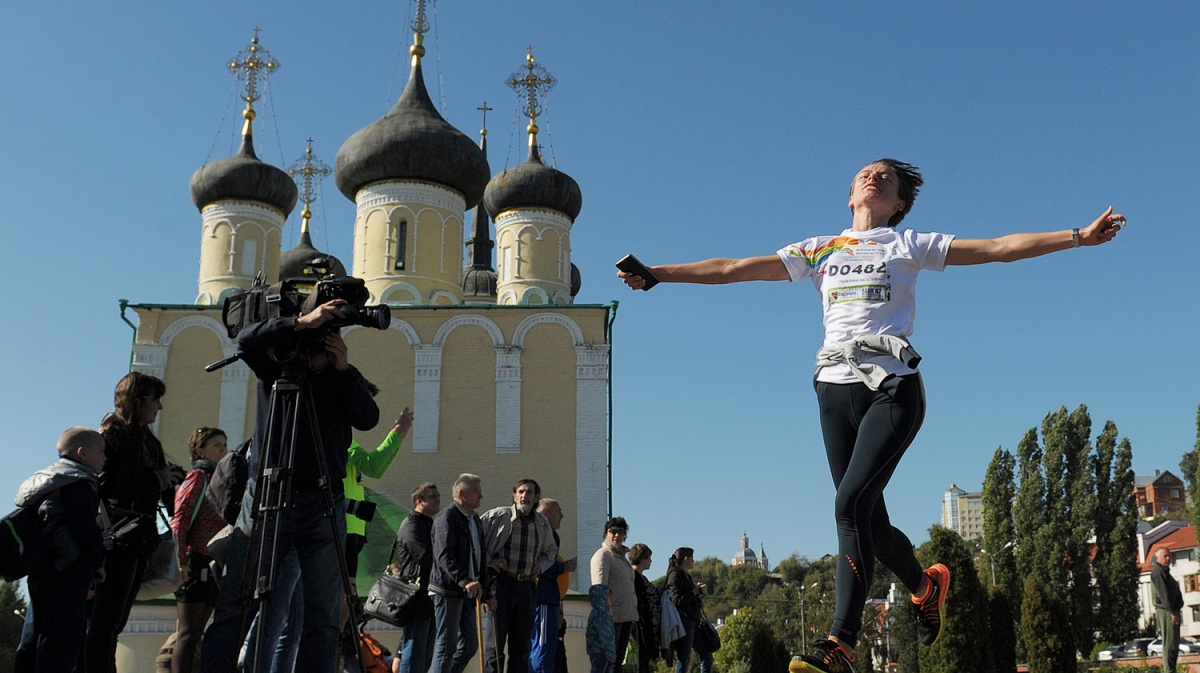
<point x="827" y="657"/>
<point x="931" y="612"/>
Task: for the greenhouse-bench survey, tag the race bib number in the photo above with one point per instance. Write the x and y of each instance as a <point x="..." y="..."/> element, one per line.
<point x="881" y="292"/>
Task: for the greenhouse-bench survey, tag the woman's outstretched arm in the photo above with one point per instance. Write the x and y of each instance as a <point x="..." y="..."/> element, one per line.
<point x="1013" y="247"/>
<point x="714" y="271"/>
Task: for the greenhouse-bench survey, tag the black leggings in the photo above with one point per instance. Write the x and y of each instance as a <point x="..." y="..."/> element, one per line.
<point x="866" y="432"/>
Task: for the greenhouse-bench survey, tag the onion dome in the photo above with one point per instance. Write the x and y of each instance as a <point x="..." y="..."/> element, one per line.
<point x="293" y="264"/>
<point x="243" y="176"/>
<point x="412" y="142"/>
<point x="533" y="185"/>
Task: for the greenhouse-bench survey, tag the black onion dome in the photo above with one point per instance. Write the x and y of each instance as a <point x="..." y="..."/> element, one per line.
<point x="244" y="176"/>
<point x="413" y="142"/>
<point x="294" y="262"/>
<point x="533" y="184"/>
<point x="576" y="280"/>
<point x="478" y="282"/>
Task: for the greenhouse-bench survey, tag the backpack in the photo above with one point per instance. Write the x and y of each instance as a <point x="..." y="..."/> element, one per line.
<point x="22" y="545"/>
<point x="228" y="483"/>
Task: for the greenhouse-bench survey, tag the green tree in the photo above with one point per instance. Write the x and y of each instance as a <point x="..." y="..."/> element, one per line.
<point x="1080" y="497"/>
<point x="747" y="644"/>
<point x="1002" y="635"/>
<point x="12" y="609"/>
<point x="1048" y="649"/>
<point x="999" y="536"/>
<point x="1118" y="570"/>
<point x="962" y="647"/>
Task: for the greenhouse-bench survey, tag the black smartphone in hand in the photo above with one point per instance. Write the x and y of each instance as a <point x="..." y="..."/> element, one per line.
<point x="630" y="264"/>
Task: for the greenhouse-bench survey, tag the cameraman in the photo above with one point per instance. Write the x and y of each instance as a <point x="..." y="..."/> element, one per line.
<point x="342" y="402"/>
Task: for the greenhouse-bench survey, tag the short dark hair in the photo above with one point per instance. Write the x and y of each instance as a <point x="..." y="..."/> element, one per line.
<point x="616" y="522"/>
<point x="537" y="490"/>
<point x="908" y="185"/>
<point x="423" y="491"/>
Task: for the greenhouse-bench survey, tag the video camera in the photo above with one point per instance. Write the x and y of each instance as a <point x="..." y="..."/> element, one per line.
<point x="290" y="298"/>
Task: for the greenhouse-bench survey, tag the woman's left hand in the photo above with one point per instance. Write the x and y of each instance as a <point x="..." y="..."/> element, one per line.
<point x="1103" y="229"/>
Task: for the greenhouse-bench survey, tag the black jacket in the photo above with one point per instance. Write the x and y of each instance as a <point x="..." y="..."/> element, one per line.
<point x="414" y="555"/>
<point x="684" y="595"/>
<point x="1167" y="595"/>
<point x="341" y="400"/>
<point x="130" y="477"/>
<point x="452" y="553"/>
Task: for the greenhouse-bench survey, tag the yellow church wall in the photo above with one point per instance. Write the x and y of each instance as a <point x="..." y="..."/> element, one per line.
<point x="176" y="342"/>
<point x="468" y="391"/>
<point x="198" y="399"/>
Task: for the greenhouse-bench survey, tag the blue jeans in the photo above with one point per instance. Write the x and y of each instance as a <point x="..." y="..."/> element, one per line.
<point x="279" y="621"/>
<point x="416" y="648"/>
<point x="683" y="650"/>
<point x="456" y="640"/>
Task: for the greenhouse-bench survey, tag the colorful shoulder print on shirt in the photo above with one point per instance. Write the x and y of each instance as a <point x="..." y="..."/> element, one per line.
<point x="854" y="270"/>
<point x="814" y="256"/>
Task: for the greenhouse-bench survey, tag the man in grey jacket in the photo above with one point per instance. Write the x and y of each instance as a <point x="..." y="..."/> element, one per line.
<point x="1168" y="602"/>
<point x="520" y="545"/>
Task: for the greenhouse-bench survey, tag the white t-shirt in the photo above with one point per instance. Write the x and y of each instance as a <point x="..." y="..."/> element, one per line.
<point x="868" y="282"/>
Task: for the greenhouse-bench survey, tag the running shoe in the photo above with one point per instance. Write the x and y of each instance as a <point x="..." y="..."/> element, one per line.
<point x="931" y="612"/>
<point x="827" y="657"/>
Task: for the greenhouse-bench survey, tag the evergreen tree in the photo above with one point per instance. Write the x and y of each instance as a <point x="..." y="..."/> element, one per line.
<point x="1048" y="649"/>
<point x="961" y="648"/>
<point x="999" y="538"/>
<point x="1001" y="630"/>
<point x="1029" y="511"/>
<point x="1108" y="502"/>
<point x="1081" y="495"/>
<point x="905" y="646"/>
<point x="1120" y="567"/>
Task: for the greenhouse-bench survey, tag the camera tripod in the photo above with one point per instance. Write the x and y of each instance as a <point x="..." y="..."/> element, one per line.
<point x="292" y="412"/>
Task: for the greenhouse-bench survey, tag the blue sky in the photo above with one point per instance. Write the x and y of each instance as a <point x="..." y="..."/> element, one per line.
<point x="694" y="130"/>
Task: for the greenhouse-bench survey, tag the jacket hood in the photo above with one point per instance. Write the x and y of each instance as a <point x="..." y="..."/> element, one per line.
<point x="57" y="475"/>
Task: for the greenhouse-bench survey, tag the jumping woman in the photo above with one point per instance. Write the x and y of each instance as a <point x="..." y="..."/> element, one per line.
<point x="871" y="397"/>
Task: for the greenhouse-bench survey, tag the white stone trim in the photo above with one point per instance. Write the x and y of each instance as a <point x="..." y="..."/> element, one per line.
<point x="206" y="321"/>
<point x="554" y="318"/>
<point x="386" y="298"/>
<point x="235" y="398"/>
<point x="508" y="399"/>
<point x="591" y="445"/>
<point x="381" y="194"/>
<point x="407" y="330"/>
<point x="234" y="209"/>
<point x="454" y="300"/>
<point x="476" y="319"/>
<point x="427" y="393"/>
<point x="533" y="217"/>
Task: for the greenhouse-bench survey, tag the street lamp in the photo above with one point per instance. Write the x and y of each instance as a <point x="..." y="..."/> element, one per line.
<point x="803" y="618"/>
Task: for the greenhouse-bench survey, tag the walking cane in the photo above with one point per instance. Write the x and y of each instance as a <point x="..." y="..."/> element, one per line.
<point x="479" y="625"/>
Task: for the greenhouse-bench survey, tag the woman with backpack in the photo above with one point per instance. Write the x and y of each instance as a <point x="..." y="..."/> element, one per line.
<point x="195" y="521"/>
